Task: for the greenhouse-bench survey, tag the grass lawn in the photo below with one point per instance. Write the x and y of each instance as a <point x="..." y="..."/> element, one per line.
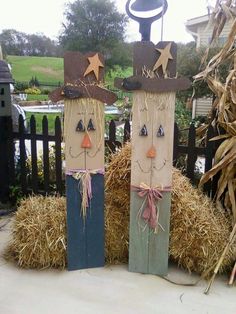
<point x="39" y="118"/>
<point x="46" y="69"/>
<point x="40" y="97"/>
<point x="51" y="70"/>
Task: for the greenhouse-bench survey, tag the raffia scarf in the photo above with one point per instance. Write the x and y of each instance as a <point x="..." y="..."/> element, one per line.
<point x="152" y="195"/>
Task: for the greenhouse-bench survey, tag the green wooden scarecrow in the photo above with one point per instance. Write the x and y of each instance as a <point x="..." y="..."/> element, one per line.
<point x="154" y="84"/>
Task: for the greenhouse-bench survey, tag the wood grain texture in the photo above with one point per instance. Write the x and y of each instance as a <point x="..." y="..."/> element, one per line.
<point x="76" y="65"/>
<point x="156" y="85"/>
<point x="77" y="157"/>
<point x="152" y="110"/>
<point x="149" y="251"/>
<point x="146" y="54"/>
<point x="85" y="239"/>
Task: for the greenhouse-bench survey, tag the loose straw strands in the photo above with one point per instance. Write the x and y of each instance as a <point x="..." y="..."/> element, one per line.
<point x="39" y="233"/>
<point x="199" y="233"/>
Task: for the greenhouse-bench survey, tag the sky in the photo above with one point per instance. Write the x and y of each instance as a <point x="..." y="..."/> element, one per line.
<point x="46" y="16"/>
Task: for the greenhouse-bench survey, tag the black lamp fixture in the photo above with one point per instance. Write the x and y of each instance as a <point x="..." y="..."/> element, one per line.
<point x="146" y="6"/>
<point x="143" y="6"/>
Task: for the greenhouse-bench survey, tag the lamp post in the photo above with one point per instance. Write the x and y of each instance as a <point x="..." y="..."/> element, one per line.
<point x="146" y="6"/>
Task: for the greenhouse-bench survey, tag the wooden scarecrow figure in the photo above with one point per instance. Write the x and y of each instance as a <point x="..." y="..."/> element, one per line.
<point x="154" y="84"/>
<point x="84" y="98"/>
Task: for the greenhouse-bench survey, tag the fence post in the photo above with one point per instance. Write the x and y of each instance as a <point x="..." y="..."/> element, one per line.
<point x="46" y="167"/>
<point x="23" y="156"/>
<point x="58" y="155"/>
<point x="6" y="138"/>
<point x="6" y="158"/>
<point x="34" y="156"/>
<point x="112" y="136"/>
<point x="126" y="131"/>
<point x="192" y="156"/>
<point x="176" y="144"/>
<point x="209" y="154"/>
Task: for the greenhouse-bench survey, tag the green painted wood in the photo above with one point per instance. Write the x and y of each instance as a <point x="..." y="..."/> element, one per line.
<point x="138" y="239"/>
<point x="159" y="243"/>
<point x="148" y="252"/>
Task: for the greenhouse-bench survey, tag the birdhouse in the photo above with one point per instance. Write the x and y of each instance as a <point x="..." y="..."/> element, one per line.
<point x="5" y="94"/>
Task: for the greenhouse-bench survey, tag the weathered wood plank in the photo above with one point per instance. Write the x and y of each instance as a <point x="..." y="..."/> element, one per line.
<point x="85" y="248"/>
<point x="76" y="235"/>
<point x="158" y="248"/>
<point x="149" y="251"/>
<point x="95" y="224"/>
<point x="138" y="238"/>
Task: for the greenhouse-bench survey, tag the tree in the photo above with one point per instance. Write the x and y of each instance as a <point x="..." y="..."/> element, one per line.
<point x="13" y="42"/>
<point x="94" y="25"/>
<point x="40" y="45"/>
<point x="21" y="44"/>
<point x="189" y="64"/>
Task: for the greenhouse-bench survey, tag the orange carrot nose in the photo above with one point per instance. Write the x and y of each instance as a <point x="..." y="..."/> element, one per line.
<point x="151" y="153"/>
<point x="86" y="143"/>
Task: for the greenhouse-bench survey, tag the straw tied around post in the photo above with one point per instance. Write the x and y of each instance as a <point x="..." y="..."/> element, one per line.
<point x="152" y="196"/>
<point x="85" y="187"/>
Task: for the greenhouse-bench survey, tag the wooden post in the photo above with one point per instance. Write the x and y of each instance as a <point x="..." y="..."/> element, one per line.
<point x="84" y="155"/>
<point x="6" y="138"/>
<point x="154" y="84"/>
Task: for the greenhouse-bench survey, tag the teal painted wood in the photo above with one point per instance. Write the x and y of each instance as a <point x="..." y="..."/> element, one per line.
<point x="148" y="252"/>
<point x="85" y="239"/>
<point x="138" y="239"/>
<point x="159" y="243"/>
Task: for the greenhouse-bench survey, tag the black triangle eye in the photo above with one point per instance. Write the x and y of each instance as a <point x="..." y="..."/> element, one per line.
<point x="144" y="131"/>
<point x="90" y="126"/>
<point x="80" y="126"/>
<point x="160" y="132"/>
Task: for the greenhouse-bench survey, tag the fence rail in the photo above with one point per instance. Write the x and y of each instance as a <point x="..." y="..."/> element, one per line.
<point x="49" y="178"/>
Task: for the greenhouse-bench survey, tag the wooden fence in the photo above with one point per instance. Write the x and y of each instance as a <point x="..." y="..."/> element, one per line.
<point x="43" y="174"/>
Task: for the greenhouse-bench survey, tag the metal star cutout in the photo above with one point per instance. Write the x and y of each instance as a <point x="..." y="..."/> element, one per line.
<point x="163" y="59"/>
<point x="94" y="65"/>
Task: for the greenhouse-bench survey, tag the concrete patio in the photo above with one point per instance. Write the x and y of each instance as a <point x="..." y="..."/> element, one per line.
<point x="106" y="290"/>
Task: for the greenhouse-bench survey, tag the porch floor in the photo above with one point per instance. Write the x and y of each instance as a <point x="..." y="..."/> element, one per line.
<point x="107" y="290"/>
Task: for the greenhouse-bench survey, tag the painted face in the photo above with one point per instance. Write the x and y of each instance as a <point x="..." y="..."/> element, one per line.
<point x="152" y="137"/>
<point x="84" y="134"/>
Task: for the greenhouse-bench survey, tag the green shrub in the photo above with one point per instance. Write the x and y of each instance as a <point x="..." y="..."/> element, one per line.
<point x="33" y="91"/>
<point x="21" y="86"/>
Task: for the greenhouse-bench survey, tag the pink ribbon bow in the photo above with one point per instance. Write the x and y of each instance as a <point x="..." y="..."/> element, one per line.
<point x="153" y="195"/>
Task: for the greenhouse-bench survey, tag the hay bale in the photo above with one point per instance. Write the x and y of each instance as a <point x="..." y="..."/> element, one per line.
<point x="198" y="233"/>
<point x="39" y="233"/>
<point x="117" y="203"/>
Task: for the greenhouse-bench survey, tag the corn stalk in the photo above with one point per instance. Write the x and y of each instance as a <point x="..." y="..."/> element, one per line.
<point x="224" y="105"/>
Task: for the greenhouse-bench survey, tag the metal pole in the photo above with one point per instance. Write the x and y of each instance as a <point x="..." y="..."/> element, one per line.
<point x="162" y="21"/>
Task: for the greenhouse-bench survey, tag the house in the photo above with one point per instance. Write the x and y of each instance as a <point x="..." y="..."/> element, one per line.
<point x="200" y="30"/>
